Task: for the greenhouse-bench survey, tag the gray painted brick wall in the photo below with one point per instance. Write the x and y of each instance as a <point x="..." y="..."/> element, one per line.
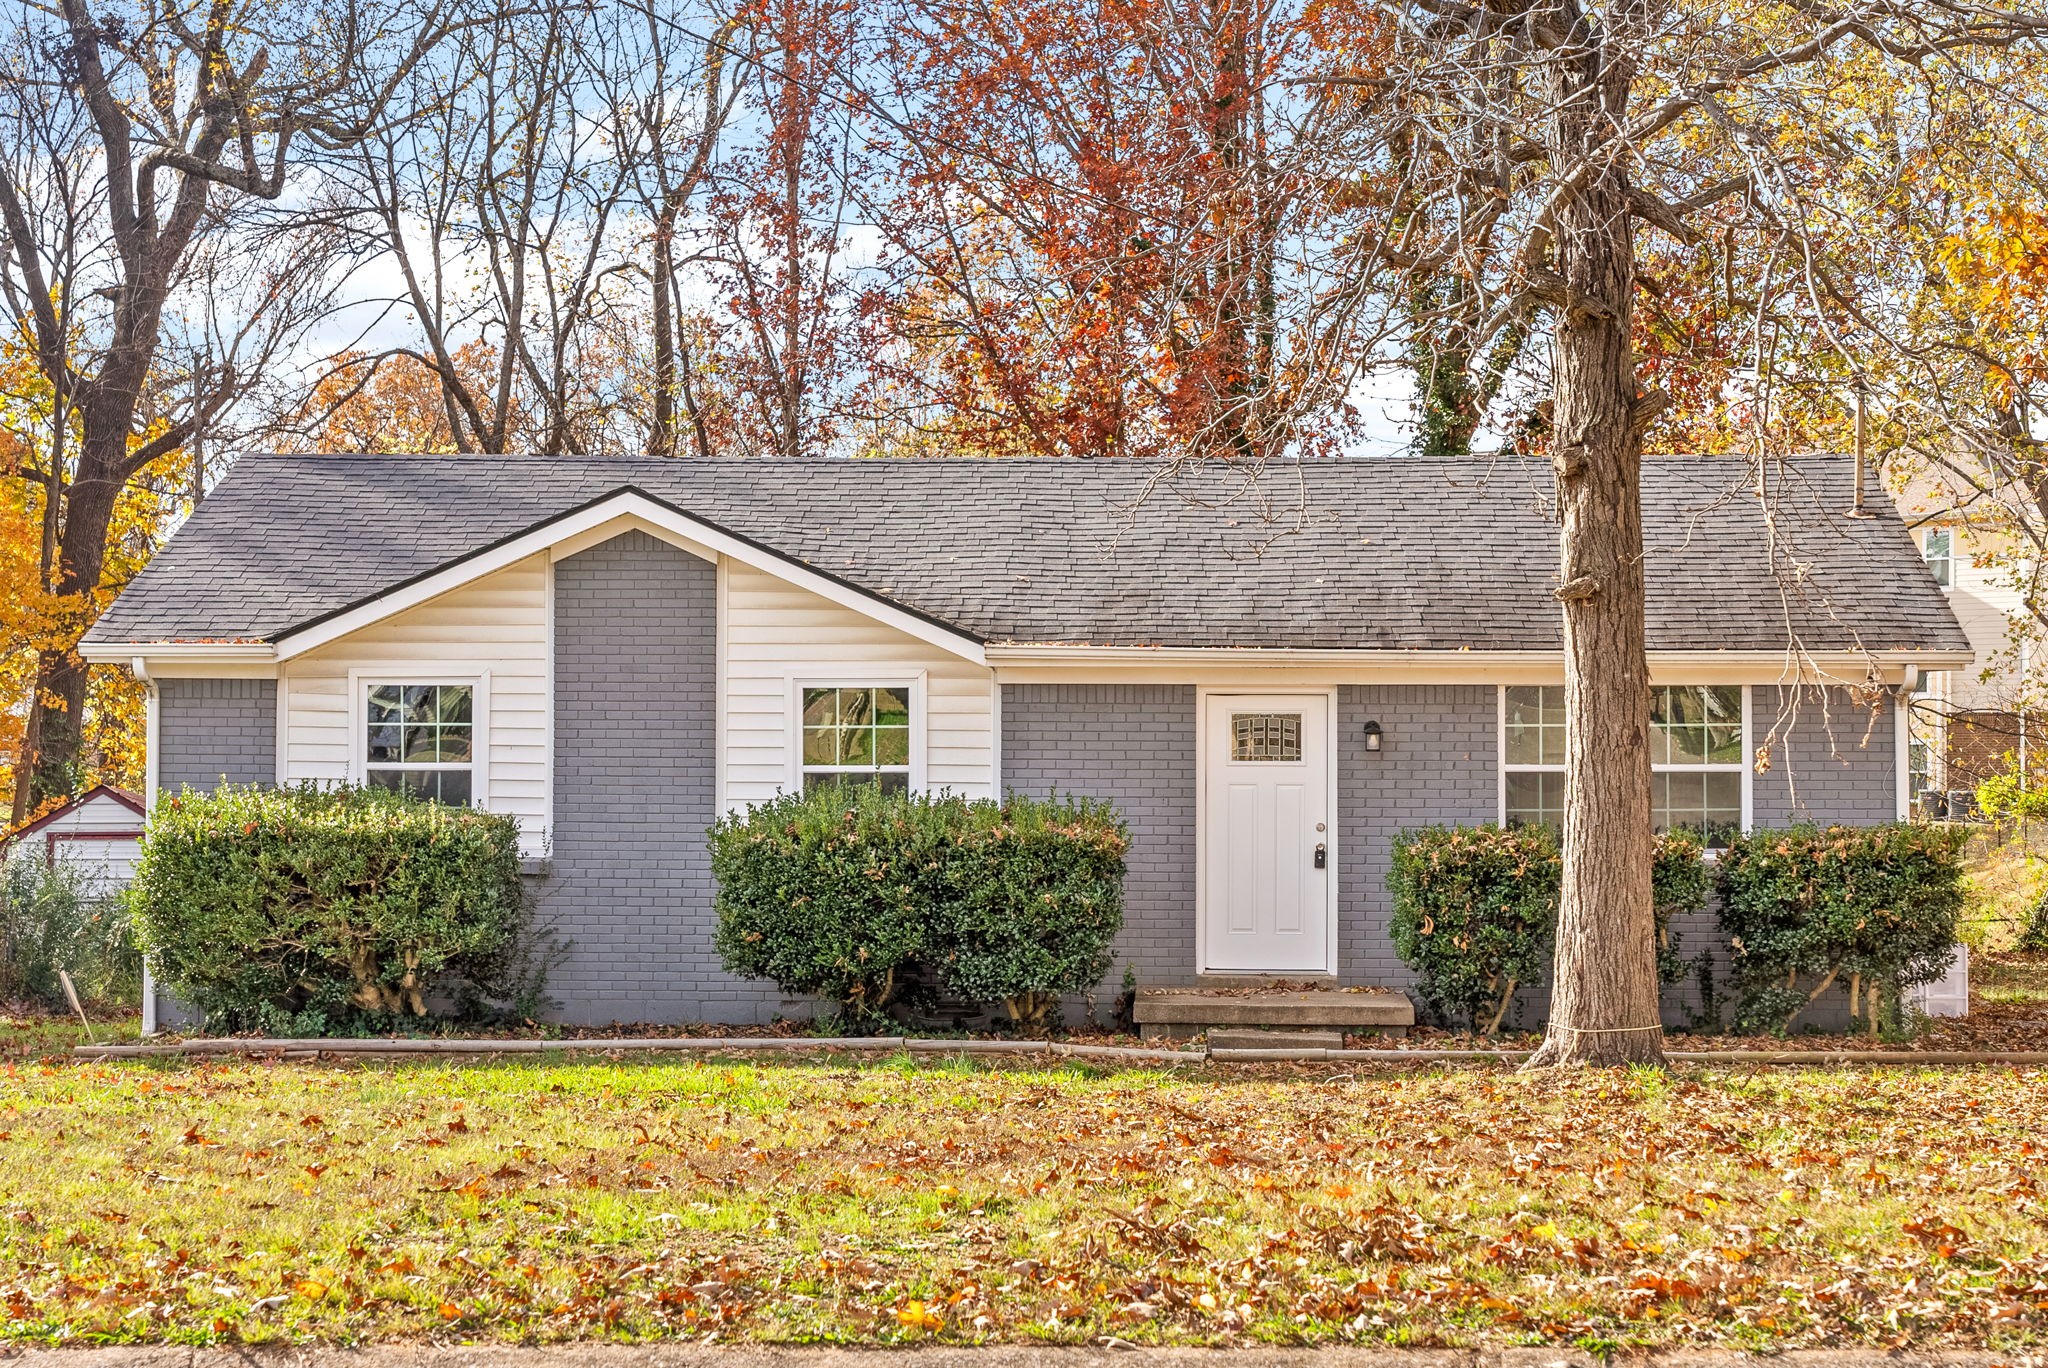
<point x="1133" y="744"/>
<point x="1836" y="760"/>
<point x="635" y="711"/>
<point x="1438" y="763"/>
<point x="210" y="729"/>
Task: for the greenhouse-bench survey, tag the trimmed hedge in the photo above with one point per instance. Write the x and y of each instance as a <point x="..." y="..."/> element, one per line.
<point x="1035" y="896"/>
<point x="852" y="894"/>
<point x="313" y="909"/>
<point x="1872" y="909"/>
<point x="1475" y="911"/>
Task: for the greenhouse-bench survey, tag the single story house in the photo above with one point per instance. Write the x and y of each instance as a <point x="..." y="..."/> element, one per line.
<point x="1270" y="676"/>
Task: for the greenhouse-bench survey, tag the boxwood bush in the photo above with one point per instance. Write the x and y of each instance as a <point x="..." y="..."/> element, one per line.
<point x="1475" y="912"/>
<point x="1810" y="908"/>
<point x="310" y="910"/>
<point x="1033" y="897"/>
<point x="852" y="894"/>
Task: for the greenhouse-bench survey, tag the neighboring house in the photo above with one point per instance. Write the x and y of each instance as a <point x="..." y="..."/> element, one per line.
<point x="99" y="831"/>
<point x="1269" y="682"/>
<point x="1971" y="724"/>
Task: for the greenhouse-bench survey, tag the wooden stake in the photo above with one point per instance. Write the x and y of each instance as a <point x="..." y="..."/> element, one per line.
<point x="72" y="993"/>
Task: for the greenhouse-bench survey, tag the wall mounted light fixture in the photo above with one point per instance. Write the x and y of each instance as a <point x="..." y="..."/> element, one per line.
<point x="1372" y="736"/>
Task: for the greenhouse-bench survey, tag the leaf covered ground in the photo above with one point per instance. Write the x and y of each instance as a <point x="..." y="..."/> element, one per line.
<point x="896" y="1201"/>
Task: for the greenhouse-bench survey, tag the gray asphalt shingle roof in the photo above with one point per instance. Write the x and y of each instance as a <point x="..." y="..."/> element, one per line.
<point x="1387" y="553"/>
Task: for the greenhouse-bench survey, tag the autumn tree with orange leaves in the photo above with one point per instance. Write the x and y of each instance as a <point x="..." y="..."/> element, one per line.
<point x="395" y="403"/>
<point x="137" y="146"/>
<point x="1103" y="237"/>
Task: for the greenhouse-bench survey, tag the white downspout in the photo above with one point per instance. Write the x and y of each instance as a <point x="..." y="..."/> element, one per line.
<point x="139" y="667"/>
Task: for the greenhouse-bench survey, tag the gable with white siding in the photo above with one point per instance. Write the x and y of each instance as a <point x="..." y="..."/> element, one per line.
<point x="775" y="638"/>
<point x="99" y="832"/>
<point x="493" y="632"/>
<point x="780" y="637"/>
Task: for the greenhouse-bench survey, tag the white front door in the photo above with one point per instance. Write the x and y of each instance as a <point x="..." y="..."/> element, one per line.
<point x="1268" y="847"/>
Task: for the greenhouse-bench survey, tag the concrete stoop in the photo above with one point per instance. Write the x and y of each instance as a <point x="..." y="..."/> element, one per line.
<point x="1257" y="1017"/>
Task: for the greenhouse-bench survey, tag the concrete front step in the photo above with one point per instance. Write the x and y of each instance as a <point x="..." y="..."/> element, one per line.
<point x="1183" y="1012"/>
<point x="1241" y="1038"/>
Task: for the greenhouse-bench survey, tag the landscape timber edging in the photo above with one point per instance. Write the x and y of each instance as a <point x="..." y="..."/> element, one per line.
<point x="697" y="1044"/>
<point x="308" y="1048"/>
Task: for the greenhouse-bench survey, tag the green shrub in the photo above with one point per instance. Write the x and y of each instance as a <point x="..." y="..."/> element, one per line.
<point x="310" y="910"/>
<point x="1475" y="912"/>
<point x="852" y="894"/>
<point x="1034" y="896"/>
<point x="1870" y="908"/>
<point x="2007" y="796"/>
<point x="2033" y="936"/>
<point x="824" y="893"/>
<point x="59" y="916"/>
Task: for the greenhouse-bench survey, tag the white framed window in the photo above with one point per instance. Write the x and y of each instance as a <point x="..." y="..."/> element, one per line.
<point x="1919" y="767"/>
<point x="857" y="733"/>
<point x="1697" y="757"/>
<point x="1937" y="548"/>
<point x="422" y="737"/>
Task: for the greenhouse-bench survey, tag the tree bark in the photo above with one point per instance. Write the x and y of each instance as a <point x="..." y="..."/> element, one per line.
<point x="661" y="433"/>
<point x="1604" y="1002"/>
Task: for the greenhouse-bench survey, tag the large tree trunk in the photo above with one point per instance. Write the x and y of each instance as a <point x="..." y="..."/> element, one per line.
<point x="1604" y="1007"/>
<point x="54" y="740"/>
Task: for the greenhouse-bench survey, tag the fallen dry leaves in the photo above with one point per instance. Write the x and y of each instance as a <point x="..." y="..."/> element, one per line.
<point x="898" y="1202"/>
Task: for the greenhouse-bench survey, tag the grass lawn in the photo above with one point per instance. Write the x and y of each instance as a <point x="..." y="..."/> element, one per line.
<point x="544" y="1199"/>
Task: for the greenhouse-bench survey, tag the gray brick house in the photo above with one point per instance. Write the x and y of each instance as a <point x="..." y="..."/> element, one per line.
<point x="1270" y="676"/>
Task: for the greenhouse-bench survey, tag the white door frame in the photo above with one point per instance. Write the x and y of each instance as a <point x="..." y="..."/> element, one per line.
<point x="1203" y="697"/>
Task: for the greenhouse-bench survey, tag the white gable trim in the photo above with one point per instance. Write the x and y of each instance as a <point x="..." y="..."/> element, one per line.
<point x="622" y="512"/>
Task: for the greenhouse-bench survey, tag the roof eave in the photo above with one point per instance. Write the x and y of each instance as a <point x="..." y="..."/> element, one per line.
<point x="194" y="652"/>
<point x="1020" y="661"/>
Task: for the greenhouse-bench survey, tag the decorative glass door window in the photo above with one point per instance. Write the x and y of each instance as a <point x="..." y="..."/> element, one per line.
<point x="1265" y="736"/>
<point x="420" y="739"/>
<point x="857" y="735"/>
<point x="1696" y="757"/>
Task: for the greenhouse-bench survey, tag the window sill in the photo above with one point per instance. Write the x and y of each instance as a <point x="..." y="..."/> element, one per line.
<point x="535" y="867"/>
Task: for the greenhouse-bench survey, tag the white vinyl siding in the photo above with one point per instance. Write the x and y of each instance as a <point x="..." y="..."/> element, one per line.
<point x="99" y="835"/>
<point x="779" y="636"/>
<point x="495" y="629"/>
<point x="1986" y="601"/>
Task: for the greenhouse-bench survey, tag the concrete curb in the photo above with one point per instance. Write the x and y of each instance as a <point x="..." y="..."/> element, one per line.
<point x="1009" y="1355"/>
<point x="341" y="1049"/>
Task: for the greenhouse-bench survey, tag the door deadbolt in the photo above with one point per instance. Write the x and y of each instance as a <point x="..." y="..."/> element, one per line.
<point x="1322" y="856"/>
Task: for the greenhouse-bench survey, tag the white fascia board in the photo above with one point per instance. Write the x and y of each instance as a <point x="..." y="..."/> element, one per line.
<point x="155" y="653"/>
<point x="628" y="510"/>
<point x="1232" y="665"/>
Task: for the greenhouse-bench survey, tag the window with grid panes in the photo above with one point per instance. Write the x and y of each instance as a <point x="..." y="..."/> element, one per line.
<point x="420" y="739"/>
<point x="856" y="735"/>
<point x="1696" y="757"/>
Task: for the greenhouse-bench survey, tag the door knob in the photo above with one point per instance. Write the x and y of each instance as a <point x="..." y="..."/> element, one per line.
<point x="1322" y="856"/>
